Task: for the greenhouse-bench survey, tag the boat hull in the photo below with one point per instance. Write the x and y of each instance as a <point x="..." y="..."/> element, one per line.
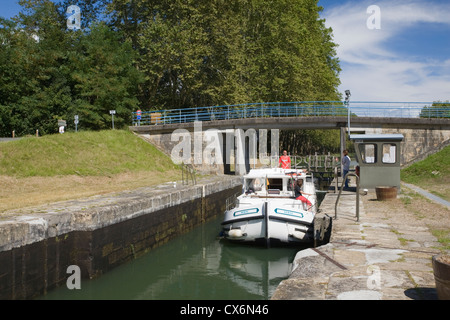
<point x="269" y="223"/>
<point x="268" y="211"/>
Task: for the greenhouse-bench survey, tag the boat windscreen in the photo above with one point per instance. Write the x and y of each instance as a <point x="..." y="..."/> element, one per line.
<point x="254" y="185"/>
<point x="275" y="183"/>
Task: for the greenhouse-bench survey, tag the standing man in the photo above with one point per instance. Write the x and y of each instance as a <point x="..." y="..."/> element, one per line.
<point x="345" y="166"/>
<point x="285" y="161"/>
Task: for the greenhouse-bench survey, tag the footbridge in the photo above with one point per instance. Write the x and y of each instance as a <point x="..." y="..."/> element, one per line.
<point x="300" y="115"/>
<point x="425" y="125"/>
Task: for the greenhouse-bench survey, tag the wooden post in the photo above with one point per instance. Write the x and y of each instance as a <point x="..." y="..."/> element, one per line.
<point x="315" y="160"/>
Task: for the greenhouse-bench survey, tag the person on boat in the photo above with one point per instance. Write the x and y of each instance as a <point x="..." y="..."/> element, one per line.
<point x="299" y="195"/>
<point x="285" y="161"/>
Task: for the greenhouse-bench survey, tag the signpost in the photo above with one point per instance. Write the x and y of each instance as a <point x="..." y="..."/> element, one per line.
<point x="112" y="113"/>
<point x="139" y="116"/>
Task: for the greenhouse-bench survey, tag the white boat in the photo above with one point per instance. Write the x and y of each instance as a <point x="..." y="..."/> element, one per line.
<point x="267" y="211"/>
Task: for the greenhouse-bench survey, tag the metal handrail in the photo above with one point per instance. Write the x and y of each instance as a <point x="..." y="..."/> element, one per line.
<point x="357" y="195"/>
<point x="188" y="173"/>
<point x="293" y="109"/>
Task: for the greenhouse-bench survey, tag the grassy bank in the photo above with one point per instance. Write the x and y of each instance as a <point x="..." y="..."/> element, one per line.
<point x="101" y="153"/>
<point x="35" y="171"/>
<point x="432" y="173"/>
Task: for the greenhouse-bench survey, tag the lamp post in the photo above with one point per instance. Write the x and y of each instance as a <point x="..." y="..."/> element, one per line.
<point x="347" y="103"/>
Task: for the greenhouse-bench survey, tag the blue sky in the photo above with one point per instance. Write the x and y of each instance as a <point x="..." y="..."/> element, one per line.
<point x="407" y="59"/>
<point x="9" y="8"/>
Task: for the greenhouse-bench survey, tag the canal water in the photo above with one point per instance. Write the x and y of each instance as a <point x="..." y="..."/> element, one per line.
<point x="194" y="266"/>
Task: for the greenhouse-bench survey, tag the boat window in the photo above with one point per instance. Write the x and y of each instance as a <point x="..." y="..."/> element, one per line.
<point x="275" y="184"/>
<point x="389" y="152"/>
<point x="253" y="185"/>
<point x="368" y="152"/>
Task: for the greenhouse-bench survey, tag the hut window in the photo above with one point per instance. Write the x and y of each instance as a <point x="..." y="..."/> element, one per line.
<point x="389" y="152"/>
<point x="368" y="152"/>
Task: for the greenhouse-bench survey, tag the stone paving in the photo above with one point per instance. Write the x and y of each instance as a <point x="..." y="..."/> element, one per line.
<point x="381" y="257"/>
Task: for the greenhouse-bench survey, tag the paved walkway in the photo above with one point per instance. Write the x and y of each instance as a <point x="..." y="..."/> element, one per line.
<point x="428" y="195"/>
<point x="381" y="257"/>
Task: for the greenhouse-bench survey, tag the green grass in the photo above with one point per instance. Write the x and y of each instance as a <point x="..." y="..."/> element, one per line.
<point x="443" y="236"/>
<point x="434" y="168"/>
<point x="89" y="153"/>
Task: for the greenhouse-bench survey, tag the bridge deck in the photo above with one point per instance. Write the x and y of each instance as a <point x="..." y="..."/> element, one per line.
<point x="295" y="115"/>
<point x="295" y="123"/>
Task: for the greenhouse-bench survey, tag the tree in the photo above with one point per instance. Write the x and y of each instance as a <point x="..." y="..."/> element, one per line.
<point x="37" y="89"/>
<point x="198" y="52"/>
<point x="157" y="54"/>
<point x="306" y="142"/>
<point x="437" y="110"/>
<point x="104" y="77"/>
<point x="50" y="72"/>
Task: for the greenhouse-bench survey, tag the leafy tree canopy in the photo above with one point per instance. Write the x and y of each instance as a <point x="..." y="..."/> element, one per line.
<point x="158" y="54"/>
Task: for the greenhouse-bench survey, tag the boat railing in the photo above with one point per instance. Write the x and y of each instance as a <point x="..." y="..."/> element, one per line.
<point x="312" y="163"/>
<point x="357" y="195"/>
<point x="231" y="201"/>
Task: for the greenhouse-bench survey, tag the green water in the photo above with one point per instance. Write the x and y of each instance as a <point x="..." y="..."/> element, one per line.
<point x="195" y="266"/>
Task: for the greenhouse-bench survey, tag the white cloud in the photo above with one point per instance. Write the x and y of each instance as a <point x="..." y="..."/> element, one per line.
<point x="372" y="70"/>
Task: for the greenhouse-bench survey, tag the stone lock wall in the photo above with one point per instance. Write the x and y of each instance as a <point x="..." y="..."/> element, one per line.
<point x="31" y="263"/>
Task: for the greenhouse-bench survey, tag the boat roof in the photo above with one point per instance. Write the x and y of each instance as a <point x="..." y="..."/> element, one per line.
<point x="274" y="173"/>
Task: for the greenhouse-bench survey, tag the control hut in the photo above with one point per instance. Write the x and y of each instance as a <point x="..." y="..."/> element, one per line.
<point x="378" y="157"/>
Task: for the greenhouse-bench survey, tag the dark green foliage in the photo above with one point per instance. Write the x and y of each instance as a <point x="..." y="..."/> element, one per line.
<point x="49" y="72"/>
<point x="158" y="54"/>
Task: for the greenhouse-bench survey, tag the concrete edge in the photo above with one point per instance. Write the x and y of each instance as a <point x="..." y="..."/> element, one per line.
<point x="98" y="212"/>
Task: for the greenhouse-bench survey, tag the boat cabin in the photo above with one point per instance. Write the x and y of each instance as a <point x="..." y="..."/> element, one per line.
<point x="378" y="157"/>
<point x="278" y="182"/>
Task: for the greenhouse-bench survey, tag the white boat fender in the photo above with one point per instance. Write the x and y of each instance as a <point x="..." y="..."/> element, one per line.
<point x="298" y="235"/>
<point x="235" y="233"/>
